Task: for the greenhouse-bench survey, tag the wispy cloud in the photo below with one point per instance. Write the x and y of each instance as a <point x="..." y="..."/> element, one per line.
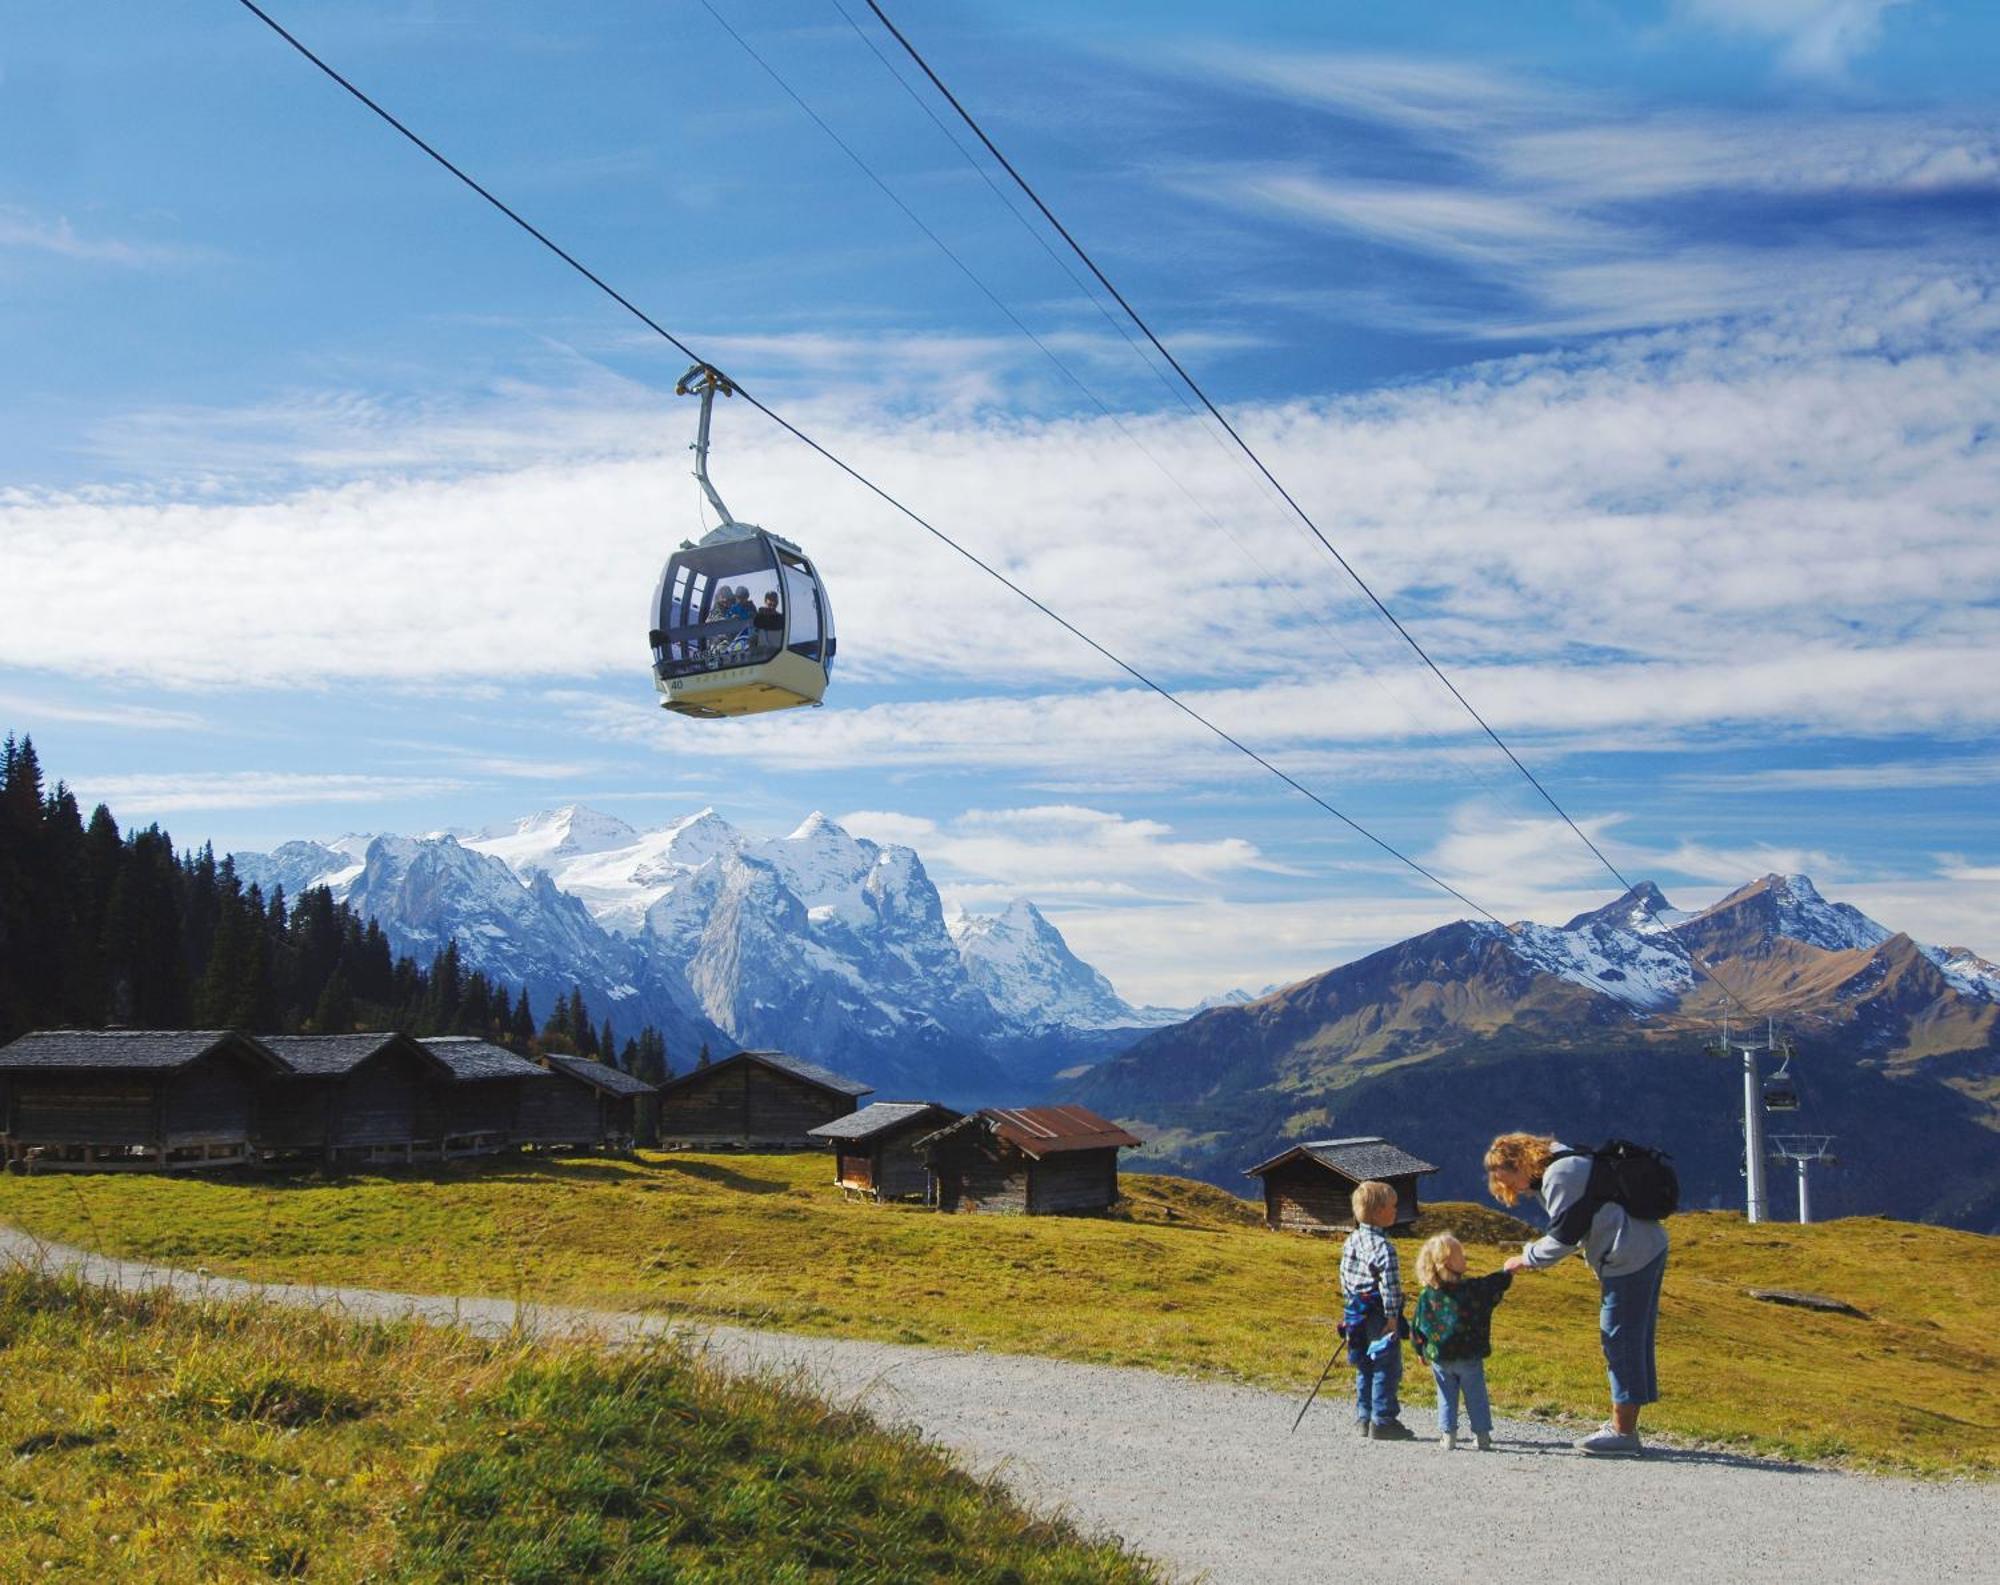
<point x="141" y="795"/>
<point x="24" y="712"/>
<point x="1815" y="38"/>
<point x="27" y="232"/>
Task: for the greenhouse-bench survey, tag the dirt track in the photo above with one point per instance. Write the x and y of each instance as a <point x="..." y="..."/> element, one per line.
<point x="1205" y="1478"/>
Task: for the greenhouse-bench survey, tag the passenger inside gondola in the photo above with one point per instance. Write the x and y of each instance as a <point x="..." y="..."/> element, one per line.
<point x="769" y="622"/>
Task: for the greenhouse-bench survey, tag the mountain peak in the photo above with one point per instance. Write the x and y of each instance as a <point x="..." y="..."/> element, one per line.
<point x="1792" y="906"/>
<point x="571" y="829"/>
<point x="816" y="826"/>
<point x="1643" y="908"/>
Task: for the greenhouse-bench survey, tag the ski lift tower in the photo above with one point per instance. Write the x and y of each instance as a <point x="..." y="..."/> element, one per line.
<point x="1803" y="1149"/>
<point x="1754" y="1202"/>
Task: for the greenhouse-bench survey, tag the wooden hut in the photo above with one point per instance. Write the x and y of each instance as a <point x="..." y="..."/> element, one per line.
<point x="754" y="1100"/>
<point x="875" y="1149"/>
<point x="1029" y="1160"/>
<point x="346" y="1097"/>
<point x="589" y="1106"/>
<point x="1307" y="1189"/>
<point x="147" y="1099"/>
<point x="472" y="1110"/>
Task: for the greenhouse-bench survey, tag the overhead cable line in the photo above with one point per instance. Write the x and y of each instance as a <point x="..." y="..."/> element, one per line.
<point x="860" y="478"/>
<point x="1271" y="478"/>
<point x="1292" y="592"/>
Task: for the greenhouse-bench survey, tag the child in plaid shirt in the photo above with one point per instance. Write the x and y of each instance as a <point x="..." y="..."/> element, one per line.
<point x="1371" y="1279"/>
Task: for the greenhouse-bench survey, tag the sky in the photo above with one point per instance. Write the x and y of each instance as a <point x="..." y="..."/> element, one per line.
<point x="1644" y="358"/>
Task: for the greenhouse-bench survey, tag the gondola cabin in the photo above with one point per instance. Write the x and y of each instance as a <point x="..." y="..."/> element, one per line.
<point x="741" y="625"/>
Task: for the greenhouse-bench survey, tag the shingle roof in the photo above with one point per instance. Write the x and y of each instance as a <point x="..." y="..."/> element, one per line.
<point x="782" y="1062"/>
<point x="127" y="1050"/>
<point x="329" y="1056"/>
<point x="471" y="1058"/>
<point x="881" y="1117"/>
<point x="1363" y="1157"/>
<point x="613" y="1081"/>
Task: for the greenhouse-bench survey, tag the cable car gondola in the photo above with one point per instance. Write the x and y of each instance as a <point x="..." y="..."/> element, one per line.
<point x="741" y="623"/>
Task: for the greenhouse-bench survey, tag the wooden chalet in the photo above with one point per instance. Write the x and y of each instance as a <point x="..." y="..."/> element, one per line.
<point x="1308" y="1188"/>
<point x="1028" y="1160"/>
<point x="588" y="1106"/>
<point x="474" y="1108"/>
<point x="754" y="1100"/>
<point x="346" y="1098"/>
<point x="875" y="1149"/>
<point x="111" y="1099"/>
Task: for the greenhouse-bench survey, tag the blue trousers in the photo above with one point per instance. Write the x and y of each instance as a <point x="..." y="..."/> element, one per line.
<point x="1468" y="1376"/>
<point x="1375" y="1383"/>
<point x="1629" y="1321"/>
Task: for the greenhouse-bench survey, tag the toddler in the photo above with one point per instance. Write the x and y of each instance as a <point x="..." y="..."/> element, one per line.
<point x="1371" y="1281"/>
<point x="1453" y="1332"/>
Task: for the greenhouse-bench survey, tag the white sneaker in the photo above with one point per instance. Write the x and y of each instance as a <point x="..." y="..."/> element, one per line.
<point x="1610" y="1442"/>
<point x="1448" y="1440"/>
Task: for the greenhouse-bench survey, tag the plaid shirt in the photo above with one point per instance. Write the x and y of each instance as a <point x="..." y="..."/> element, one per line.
<point x="1369" y="1263"/>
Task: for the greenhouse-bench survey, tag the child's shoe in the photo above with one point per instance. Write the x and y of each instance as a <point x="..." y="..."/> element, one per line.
<point x="1447" y="1440"/>
<point x="1484" y="1439"/>
<point x="1391" y="1431"/>
<point x="1364" y="1428"/>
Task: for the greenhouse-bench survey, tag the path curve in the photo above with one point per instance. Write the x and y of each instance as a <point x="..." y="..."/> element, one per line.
<point x="1204" y="1478"/>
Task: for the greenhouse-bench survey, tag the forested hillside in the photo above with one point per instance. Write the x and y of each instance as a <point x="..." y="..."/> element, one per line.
<point x="100" y="926"/>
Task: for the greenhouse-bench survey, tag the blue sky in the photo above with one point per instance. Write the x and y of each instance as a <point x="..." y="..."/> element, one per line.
<point x="1645" y="357"/>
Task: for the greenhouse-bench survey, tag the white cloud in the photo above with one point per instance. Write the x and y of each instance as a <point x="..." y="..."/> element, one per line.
<point x="1816" y="38"/>
<point x="137" y="796"/>
<point x="24" y="231"/>
<point x="24" y="712"/>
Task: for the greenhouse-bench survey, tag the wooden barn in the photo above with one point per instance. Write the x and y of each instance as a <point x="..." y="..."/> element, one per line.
<point x="152" y="1100"/>
<point x="754" y="1100"/>
<point x="1307" y="1189"/>
<point x="473" y="1108"/>
<point x="875" y="1149"/>
<point x="589" y="1106"/>
<point x="1029" y="1160"/>
<point x="346" y="1097"/>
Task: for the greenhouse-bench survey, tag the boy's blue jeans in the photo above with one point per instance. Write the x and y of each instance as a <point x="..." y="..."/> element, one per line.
<point x="1375" y="1383"/>
<point x="1454" y="1376"/>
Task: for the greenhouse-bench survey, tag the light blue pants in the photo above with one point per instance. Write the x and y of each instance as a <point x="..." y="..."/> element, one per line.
<point x="1468" y="1376"/>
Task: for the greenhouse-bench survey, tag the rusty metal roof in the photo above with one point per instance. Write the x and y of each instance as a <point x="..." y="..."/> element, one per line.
<point x="1049" y="1130"/>
<point x="1358" y="1159"/>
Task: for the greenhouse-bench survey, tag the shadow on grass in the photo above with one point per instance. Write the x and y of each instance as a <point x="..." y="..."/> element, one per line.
<point x="716" y="1172"/>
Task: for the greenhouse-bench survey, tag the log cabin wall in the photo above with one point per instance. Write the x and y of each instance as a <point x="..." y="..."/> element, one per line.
<point x="84" y="1109"/>
<point x="562" y="1111"/>
<point x="900" y="1172"/>
<point x="296" y="1114"/>
<point x="749" y="1105"/>
<point x="380" y="1103"/>
<point x="1306" y="1196"/>
<point x="982" y="1173"/>
<point x="855" y="1168"/>
<point x="1074" y="1180"/>
<point x="211" y="1101"/>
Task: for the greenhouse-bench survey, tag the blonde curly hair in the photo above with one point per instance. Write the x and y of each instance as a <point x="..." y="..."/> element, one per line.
<point x="1432" y="1268"/>
<point x="1527" y="1153"/>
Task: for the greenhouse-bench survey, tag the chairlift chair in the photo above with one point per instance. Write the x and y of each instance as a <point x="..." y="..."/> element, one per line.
<point x="1781" y="1094"/>
<point x="712" y="657"/>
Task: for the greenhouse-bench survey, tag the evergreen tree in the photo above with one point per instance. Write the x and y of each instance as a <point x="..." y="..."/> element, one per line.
<point x="333" y="1014"/>
<point x="703" y="1060"/>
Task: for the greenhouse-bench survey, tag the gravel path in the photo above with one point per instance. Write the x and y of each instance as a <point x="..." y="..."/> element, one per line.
<point x="1204" y="1478"/>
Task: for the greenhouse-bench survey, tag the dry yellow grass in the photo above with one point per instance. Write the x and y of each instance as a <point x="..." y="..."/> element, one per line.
<point x="1184" y="1277"/>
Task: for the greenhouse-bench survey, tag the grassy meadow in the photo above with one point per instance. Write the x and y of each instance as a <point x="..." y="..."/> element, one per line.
<point x="176" y="1442"/>
<point x="1181" y="1277"/>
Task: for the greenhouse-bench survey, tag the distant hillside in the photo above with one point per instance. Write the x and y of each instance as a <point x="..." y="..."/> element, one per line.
<point x="1596" y="1028"/>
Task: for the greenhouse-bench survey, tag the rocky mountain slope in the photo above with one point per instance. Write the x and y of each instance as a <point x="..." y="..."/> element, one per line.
<point x="1596" y="1028"/>
<point x="818" y="942"/>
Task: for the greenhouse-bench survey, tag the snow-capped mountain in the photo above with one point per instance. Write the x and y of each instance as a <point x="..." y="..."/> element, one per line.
<point x="1603" y="1027"/>
<point x="1031" y="977"/>
<point x="819" y="942"/>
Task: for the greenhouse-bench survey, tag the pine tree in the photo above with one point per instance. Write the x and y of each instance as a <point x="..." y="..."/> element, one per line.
<point x="703" y="1060"/>
<point x="333" y="1014"/>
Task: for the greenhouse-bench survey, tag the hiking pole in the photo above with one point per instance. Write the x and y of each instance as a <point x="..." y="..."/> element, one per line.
<point x="1339" y="1349"/>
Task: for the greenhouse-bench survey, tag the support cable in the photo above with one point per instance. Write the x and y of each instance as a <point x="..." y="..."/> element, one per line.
<point x="1271" y="478"/>
<point x="862" y="479"/>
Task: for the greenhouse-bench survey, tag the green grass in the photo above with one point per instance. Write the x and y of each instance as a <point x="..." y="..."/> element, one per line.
<point x="1183" y="1277"/>
<point x="152" y="1440"/>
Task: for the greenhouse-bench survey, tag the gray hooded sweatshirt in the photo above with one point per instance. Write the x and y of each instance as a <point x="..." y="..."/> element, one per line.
<point x="1616" y="1245"/>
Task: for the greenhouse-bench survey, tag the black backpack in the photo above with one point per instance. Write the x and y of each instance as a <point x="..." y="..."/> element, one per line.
<point x="1637" y="1177"/>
